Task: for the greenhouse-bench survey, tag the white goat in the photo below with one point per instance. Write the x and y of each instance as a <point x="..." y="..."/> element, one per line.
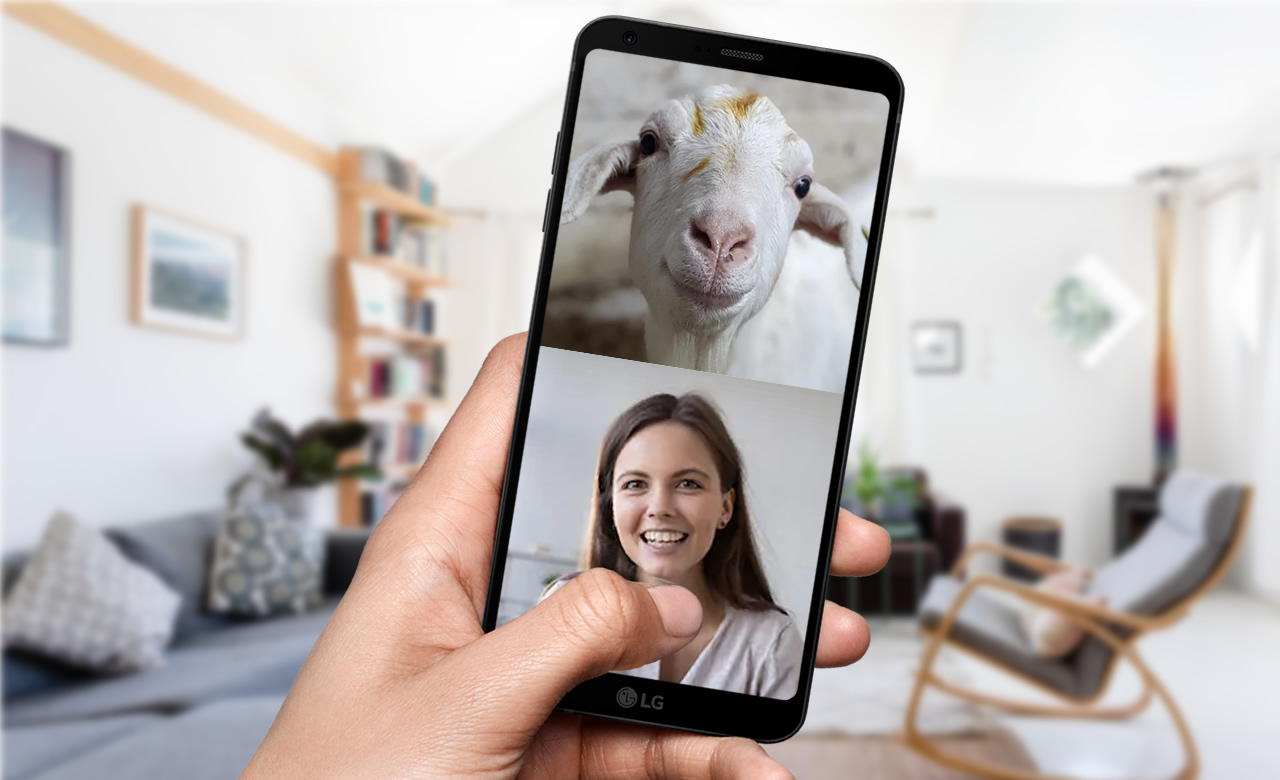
<point x="720" y="182"/>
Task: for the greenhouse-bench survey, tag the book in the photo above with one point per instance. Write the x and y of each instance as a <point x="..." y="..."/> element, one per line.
<point x="381" y="166"/>
<point x="374" y="293"/>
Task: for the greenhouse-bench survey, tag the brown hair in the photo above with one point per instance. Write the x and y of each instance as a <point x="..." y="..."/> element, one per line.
<point x="732" y="565"/>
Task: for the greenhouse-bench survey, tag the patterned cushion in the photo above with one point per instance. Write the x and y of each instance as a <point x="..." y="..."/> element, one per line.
<point x="265" y="564"/>
<point x="79" y="600"/>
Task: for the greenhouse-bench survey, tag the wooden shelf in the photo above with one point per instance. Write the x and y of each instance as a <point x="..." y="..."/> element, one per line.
<point x="403" y="336"/>
<point x="394" y="200"/>
<point x="403" y="270"/>
<point x="354" y="197"/>
<point x="394" y="400"/>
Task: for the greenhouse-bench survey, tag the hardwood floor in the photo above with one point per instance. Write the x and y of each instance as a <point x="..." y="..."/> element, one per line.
<point x="882" y="758"/>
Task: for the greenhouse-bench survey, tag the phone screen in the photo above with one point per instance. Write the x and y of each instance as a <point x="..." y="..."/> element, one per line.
<point x="694" y="352"/>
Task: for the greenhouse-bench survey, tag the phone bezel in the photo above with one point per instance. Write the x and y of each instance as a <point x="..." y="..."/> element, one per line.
<point x="687" y="707"/>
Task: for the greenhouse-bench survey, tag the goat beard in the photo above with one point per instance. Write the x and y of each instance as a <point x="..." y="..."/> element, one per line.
<point x="680" y="347"/>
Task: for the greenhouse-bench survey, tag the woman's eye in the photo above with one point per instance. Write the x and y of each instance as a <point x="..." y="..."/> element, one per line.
<point x="632" y="484"/>
<point x="802" y="186"/>
<point x="648" y="143"/>
<point x="690" y="484"/>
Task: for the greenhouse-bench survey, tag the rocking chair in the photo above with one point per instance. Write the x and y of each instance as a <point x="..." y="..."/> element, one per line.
<point x="1182" y="556"/>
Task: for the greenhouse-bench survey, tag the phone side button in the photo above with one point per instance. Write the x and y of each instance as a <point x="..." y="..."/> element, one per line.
<point x="546" y="212"/>
<point x="555" y="154"/>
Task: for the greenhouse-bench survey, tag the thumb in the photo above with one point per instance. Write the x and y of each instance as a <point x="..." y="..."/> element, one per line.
<point x="597" y="622"/>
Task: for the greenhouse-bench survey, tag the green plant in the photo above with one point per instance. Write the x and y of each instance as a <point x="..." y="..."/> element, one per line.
<point x="310" y="457"/>
<point x="871" y="486"/>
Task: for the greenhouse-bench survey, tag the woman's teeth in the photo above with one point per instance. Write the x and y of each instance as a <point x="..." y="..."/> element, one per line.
<point x="664" y="537"/>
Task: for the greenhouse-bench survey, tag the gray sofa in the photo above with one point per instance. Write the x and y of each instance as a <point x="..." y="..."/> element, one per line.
<point x="203" y="713"/>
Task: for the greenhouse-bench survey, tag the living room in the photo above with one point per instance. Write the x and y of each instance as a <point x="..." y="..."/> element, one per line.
<point x="1045" y="150"/>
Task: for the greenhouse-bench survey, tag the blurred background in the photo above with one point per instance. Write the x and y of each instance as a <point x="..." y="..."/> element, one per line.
<point x="1079" y="295"/>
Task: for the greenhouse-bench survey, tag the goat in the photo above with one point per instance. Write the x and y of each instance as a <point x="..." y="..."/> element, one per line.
<point x="720" y="181"/>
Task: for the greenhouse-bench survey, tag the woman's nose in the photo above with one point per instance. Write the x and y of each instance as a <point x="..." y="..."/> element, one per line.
<point x="660" y="504"/>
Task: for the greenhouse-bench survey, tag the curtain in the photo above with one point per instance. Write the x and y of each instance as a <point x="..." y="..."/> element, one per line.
<point x="1262" y="565"/>
<point x="1227" y="336"/>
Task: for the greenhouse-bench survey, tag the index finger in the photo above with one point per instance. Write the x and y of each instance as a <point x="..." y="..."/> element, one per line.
<point x="861" y="547"/>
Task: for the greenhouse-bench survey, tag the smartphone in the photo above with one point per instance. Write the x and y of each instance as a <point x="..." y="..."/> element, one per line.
<point x="711" y="236"/>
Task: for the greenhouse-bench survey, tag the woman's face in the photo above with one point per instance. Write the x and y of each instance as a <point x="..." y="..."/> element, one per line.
<point x="667" y="500"/>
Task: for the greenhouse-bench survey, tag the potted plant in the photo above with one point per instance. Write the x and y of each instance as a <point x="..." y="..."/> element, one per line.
<point x="299" y="463"/>
<point x="869" y="485"/>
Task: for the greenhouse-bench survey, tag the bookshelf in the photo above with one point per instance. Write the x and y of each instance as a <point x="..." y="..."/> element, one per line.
<point x="361" y="344"/>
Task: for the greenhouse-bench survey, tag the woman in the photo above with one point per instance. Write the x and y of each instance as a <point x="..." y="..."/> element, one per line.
<point x="670" y="508"/>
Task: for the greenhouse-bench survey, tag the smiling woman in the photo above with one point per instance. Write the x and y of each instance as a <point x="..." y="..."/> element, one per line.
<point x="671" y="508"/>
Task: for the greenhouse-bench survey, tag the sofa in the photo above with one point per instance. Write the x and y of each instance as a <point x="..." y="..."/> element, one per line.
<point x="201" y="715"/>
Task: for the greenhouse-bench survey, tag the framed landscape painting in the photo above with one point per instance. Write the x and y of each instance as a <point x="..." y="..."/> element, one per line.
<point x="186" y="276"/>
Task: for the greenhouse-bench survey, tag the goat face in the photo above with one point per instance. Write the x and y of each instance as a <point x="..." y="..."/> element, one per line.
<point x="720" y="181"/>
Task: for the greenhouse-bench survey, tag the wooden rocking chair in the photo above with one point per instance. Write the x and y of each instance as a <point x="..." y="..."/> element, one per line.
<point x="1182" y="556"/>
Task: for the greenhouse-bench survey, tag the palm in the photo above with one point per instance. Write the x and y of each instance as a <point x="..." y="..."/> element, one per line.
<point x="404" y="661"/>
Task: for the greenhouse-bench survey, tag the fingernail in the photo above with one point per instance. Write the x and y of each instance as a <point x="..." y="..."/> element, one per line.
<point x="680" y="610"/>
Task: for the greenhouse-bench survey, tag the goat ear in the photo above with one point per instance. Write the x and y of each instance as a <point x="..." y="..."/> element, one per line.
<point x="825" y="215"/>
<point x="608" y="167"/>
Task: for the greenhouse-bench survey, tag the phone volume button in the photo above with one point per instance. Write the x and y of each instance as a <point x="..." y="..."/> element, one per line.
<point x="546" y="212"/>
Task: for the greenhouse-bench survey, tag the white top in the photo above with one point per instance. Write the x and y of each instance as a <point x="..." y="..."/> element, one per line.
<point x="757" y="652"/>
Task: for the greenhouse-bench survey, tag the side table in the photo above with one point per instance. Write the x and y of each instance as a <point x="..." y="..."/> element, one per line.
<point x="1041" y="535"/>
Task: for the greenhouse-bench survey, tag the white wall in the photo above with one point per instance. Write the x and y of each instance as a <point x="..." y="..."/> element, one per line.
<point x="786" y="436"/>
<point x="126" y="423"/>
<point x="495" y="258"/>
<point x="1024" y="428"/>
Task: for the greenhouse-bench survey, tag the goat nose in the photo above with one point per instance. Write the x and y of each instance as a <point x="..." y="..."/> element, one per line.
<point x="722" y="240"/>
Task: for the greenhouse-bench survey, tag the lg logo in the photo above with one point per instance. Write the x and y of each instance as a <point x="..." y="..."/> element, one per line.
<point x="627" y="699"/>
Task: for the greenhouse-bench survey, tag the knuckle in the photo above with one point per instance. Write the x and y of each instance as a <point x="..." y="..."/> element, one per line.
<point x="509" y="350"/>
<point x="504" y="363"/>
<point x="607" y="607"/>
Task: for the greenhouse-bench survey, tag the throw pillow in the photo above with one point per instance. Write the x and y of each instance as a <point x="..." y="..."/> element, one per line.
<point x="1052" y="634"/>
<point x="265" y="564"/>
<point x="79" y="600"/>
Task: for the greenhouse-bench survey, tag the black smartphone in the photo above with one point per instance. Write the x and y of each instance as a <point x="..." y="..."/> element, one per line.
<point x="710" y="249"/>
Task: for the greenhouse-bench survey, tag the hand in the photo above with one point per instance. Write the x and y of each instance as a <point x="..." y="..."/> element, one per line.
<point x="404" y="683"/>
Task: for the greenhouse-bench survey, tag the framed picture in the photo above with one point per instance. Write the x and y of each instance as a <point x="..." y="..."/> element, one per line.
<point x="1092" y="309"/>
<point x="186" y="276"/>
<point x="37" y="252"/>
<point x="936" y="347"/>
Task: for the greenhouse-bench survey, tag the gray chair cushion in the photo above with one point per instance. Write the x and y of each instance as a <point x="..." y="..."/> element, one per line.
<point x="178" y="550"/>
<point x="1172" y="560"/>
<point x="993" y="628"/>
<point x="30" y="751"/>
<point x="214" y="742"/>
<point x="1175" y="556"/>
<point x="1200" y="505"/>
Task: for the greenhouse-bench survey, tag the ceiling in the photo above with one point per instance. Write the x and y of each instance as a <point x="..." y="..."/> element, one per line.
<point x="1085" y="93"/>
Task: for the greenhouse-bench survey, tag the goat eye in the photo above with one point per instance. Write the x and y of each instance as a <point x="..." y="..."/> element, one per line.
<point x="802" y="186"/>
<point x="648" y="144"/>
